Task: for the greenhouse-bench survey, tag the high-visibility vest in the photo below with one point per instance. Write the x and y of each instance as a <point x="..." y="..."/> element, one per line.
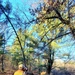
<point x="19" y="72"/>
<point x="43" y="73"/>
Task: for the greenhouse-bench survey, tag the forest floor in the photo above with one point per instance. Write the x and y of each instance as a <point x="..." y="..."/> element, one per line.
<point x="71" y="71"/>
<point x="68" y="69"/>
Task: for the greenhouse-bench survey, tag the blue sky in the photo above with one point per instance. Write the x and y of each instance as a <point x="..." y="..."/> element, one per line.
<point x="24" y="5"/>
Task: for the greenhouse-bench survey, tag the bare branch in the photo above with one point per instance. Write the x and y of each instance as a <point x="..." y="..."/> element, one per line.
<point x="2" y="8"/>
<point x="50" y="40"/>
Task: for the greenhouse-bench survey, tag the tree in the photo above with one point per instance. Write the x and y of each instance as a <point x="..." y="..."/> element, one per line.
<point x="53" y="18"/>
<point x="6" y="11"/>
<point x="50" y="17"/>
<point x="2" y="47"/>
<point x="61" y="10"/>
<point x="15" y="50"/>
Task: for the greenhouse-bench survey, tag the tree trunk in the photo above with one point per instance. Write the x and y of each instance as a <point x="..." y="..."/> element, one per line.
<point x="2" y="63"/>
<point x="50" y="61"/>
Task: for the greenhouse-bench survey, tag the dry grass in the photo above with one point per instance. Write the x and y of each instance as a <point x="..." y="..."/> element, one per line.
<point x="67" y="69"/>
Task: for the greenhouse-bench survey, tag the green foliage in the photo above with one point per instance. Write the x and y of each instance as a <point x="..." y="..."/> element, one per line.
<point x="28" y="43"/>
<point x="51" y="28"/>
<point x="1" y="52"/>
<point x="41" y="41"/>
<point x="54" y="45"/>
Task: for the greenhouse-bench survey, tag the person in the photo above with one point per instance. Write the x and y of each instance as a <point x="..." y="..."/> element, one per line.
<point x="21" y="70"/>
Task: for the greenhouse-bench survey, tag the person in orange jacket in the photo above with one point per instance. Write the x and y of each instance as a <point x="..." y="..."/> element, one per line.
<point x="21" y="70"/>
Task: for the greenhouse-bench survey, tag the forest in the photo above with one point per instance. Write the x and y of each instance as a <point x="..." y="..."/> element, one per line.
<point x="38" y="33"/>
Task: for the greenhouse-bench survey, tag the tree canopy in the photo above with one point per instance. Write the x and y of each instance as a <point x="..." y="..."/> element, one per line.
<point x="40" y="34"/>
